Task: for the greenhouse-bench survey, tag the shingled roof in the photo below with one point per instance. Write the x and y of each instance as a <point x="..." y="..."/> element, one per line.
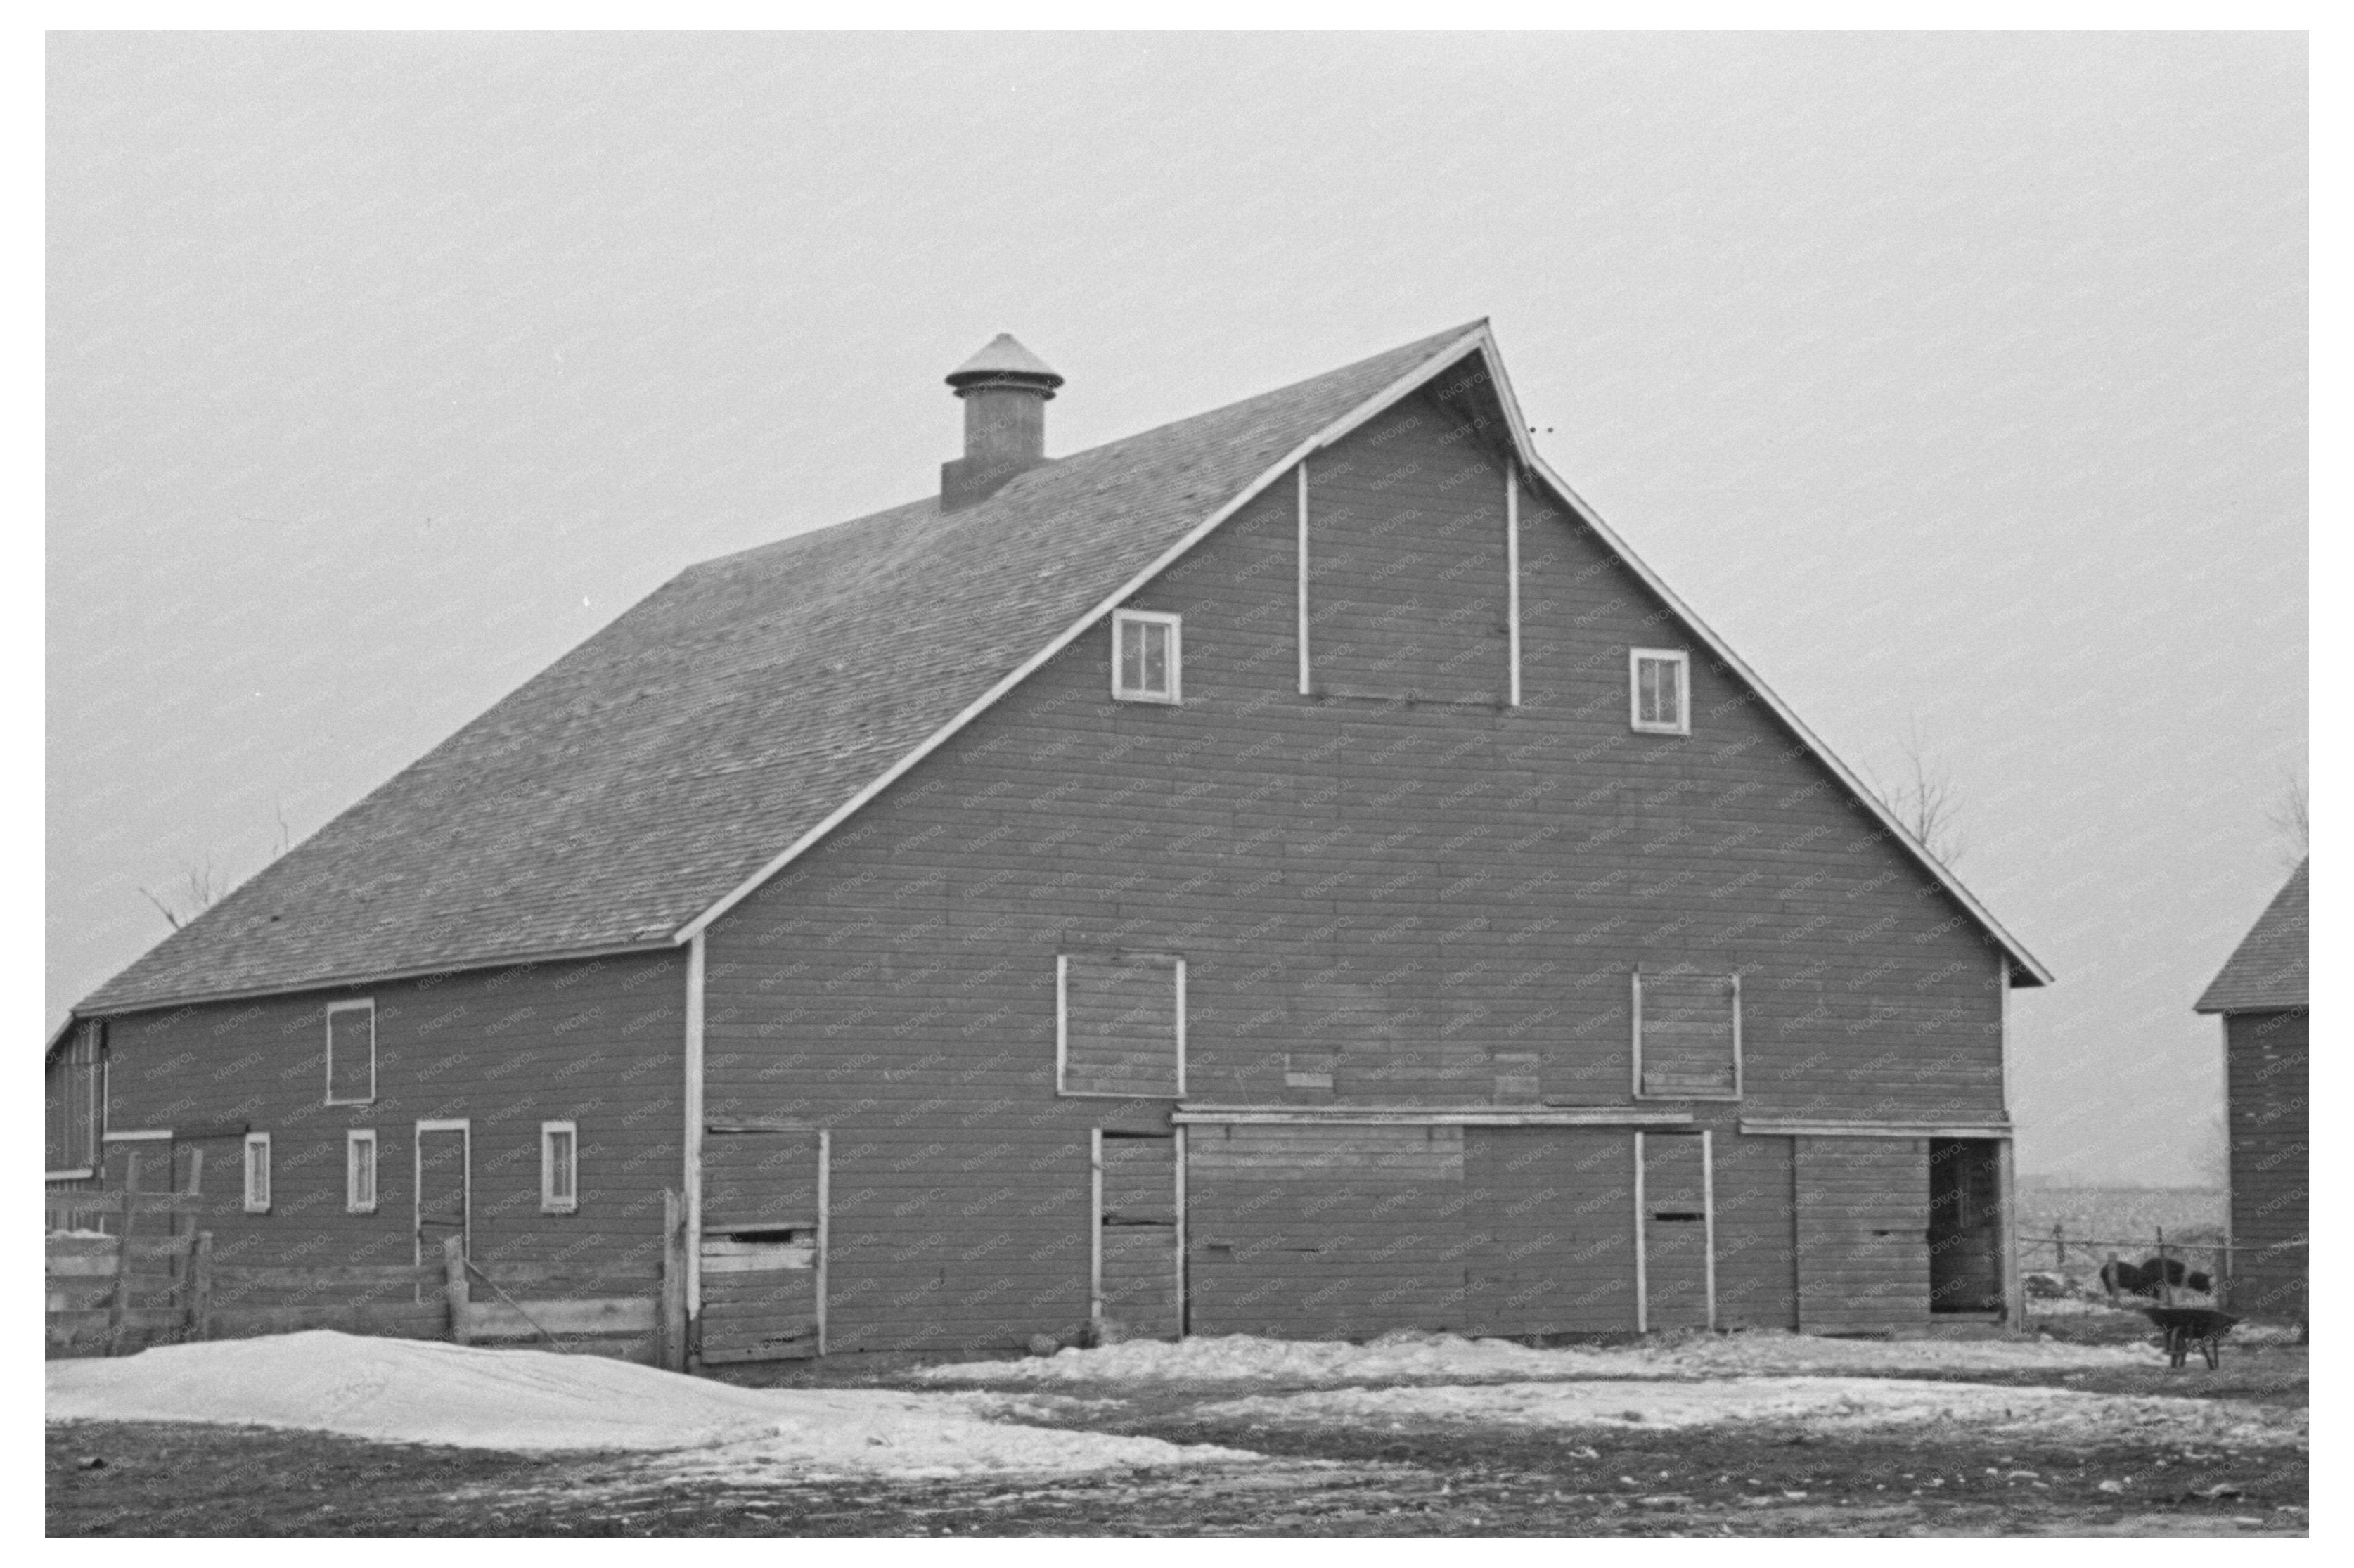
<point x="640" y="778"/>
<point x="638" y="787"/>
<point x="2267" y="972"/>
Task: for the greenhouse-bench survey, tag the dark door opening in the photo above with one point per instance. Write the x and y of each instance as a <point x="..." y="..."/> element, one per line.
<point x="1965" y="1225"/>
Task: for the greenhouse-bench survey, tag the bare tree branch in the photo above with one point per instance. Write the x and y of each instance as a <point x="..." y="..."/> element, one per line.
<point x="200" y="888"/>
<point x="1924" y="798"/>
<point x="2291" y="818"/>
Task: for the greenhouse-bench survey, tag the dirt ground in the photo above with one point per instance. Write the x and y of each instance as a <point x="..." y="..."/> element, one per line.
<point x="1431" y="1478"/>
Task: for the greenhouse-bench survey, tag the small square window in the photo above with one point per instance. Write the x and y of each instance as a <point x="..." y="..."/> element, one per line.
<point x="559" y="1167"/>
<point x="351" y="1053"/>
<point x="257" y="1172"/>
<point x="359" y="1171"/>
<point x="1145" y="656"/>
<point x="1656" y="698"/>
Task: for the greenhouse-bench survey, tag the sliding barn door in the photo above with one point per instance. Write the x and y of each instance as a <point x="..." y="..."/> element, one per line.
<point x="1863" y="1233"/>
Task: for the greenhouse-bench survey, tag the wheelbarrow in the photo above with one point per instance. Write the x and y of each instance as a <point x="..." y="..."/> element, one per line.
<point x="2187" y="1326"/>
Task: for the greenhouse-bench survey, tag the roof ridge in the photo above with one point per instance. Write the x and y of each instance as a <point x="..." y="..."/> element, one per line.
<point x="922" y="504"/>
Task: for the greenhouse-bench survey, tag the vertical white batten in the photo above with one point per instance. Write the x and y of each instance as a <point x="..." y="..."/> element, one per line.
<point x="1062" y="1022"/>
<point x="1184" y="1304"/>
<point x="1642" y="1282"/>
<point x="1708" y="1218"/>
<point x="1302" y="510"/>
<point x="1513" y="574"/>
<point x="693" y="1162"/>
<point x="1095" y="1224"/>
<point x="1180" y="1028"/>
<point x="824" y="1223"/>
<point x="1635" y="1035"/>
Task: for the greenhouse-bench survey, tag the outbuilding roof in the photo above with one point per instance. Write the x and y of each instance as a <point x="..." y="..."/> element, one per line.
<point x="639" y="785"/>
<point x="2267" y="971"/>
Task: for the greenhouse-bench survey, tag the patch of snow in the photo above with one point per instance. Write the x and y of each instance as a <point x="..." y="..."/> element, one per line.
<point x="1246" y="1357"/>
<point x="1821" y="1403"/>
<point x="410" y="1391"/>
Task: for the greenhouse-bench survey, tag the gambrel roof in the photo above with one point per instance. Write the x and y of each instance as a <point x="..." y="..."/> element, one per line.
<point x="2267" y="971"/>
<point x="638" y="787"/>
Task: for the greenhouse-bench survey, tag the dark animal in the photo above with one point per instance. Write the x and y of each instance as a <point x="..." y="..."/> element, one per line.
<point x="2148" y="1276"/>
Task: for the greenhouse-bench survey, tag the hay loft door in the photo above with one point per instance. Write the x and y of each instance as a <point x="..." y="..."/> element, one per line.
<point x="762" y="1263"/>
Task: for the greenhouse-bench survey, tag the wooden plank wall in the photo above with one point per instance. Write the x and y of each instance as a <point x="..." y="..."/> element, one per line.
<point x="1863" y="1233"/>
<point x="1142" y="1269"/>
<point x="1412" y="897"/>
<point x="597" y="1042"/>
<point x="2267" y="1059"/>
<point x="1120" y="1016"/>
<point x="1553" y="1209"/>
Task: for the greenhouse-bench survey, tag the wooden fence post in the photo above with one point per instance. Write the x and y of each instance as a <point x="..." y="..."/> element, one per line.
<point x="453" y="1273"/>
<point x="673" y="1281"/>
<point x="121" y="1303"/>
<point x="200" y="1288"/>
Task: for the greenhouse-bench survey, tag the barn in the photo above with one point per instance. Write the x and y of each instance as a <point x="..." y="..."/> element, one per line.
<point x="1292" y="870"/>
<point x="2263" y="996"/>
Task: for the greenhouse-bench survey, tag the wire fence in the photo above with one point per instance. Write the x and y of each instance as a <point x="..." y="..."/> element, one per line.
<point x="2196" y="1267"/>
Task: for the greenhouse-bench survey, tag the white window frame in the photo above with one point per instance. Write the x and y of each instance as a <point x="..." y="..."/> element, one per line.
<point x="549" y="1204"/>
<point x="1121" y="619"/>
<point x="1682" y="662"/>
<point x="1734" y="980"/>
<point x="1062" y="1028"/>
<point x="257" y="1197"/>
<point x="354" y="1139"/>
<point x="366" y="1004"/>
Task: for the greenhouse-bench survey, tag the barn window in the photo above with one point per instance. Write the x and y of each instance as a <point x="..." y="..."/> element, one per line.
<point x="1657" y="699"/>
<point x="351" y="1053"/>
<point x="257" y="1172"/>
<point x="559" y="1167"/>
<point x="1688" y="1036"/>
<point x="1145" y="656"/>
<point x="1120" y="1024"/>
<point x="359" y="1171"/>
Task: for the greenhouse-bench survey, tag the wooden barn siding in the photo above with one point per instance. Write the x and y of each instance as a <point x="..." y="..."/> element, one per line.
<point x="597" y="1042"/>
<point x="2267" y="1057"/>
<point x="1863" y="1227"/>
<point x="1408" y="894"/>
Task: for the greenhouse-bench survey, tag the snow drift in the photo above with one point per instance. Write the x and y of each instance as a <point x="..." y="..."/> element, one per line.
<point x="409" y="1391"/>
<point x="1406" y="1354"/>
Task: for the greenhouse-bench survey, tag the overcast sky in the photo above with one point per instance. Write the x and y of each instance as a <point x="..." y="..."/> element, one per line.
<point x="1959" y="380"/>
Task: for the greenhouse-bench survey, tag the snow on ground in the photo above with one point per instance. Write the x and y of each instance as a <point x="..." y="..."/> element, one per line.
<point x="1246" y="1357"/>
<point x="1825" y="1404"/>
<point x="409" y="1391"/>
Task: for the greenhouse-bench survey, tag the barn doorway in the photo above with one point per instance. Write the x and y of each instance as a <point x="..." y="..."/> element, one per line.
<point x="445" y="1179"/>
<point x="1676" y="1214"/>
<point x="760" y="1260"/>
<point x="1964" y="1226"/>
<point x="1139" y="1264"/>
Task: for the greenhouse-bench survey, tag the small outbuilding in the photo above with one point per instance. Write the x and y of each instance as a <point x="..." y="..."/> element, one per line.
<point x="2263" y="995"/>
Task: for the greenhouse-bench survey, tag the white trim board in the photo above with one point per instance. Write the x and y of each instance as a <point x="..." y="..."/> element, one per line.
<point x="1763" y="1128"/>
<point x="1467" y="1115"/>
